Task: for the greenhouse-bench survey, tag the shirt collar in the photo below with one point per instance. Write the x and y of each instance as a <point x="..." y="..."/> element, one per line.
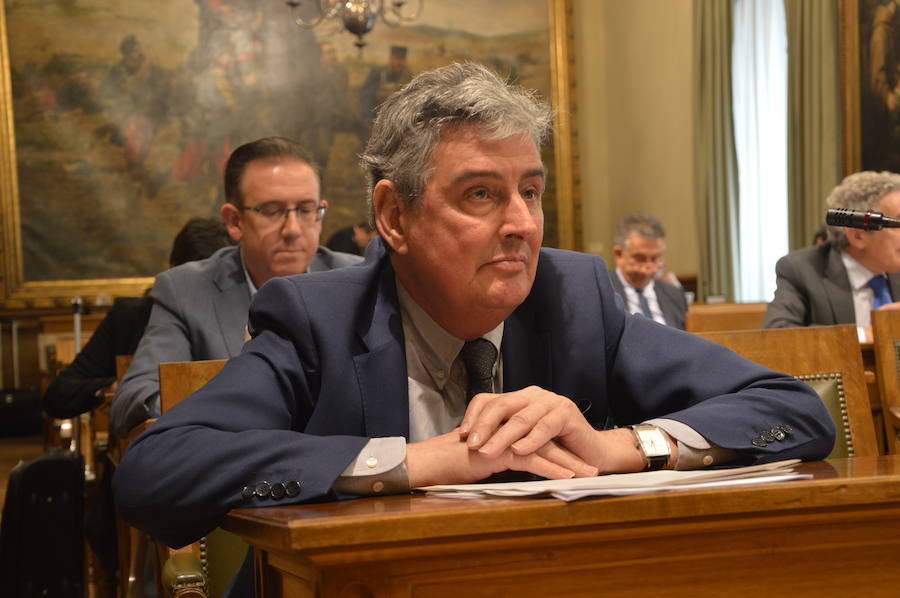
<point x="858" y="274"/>
<point x="247" y="277"/>
<point x="627" y="284"/>
<point x="436" y="347"/>
<point x="250" y="284"/>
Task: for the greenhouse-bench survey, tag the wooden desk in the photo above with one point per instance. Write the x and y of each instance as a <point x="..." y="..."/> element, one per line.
<point x="835" y="535"/>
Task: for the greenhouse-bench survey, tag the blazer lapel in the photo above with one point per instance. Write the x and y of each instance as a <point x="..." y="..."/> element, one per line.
<point x="232" y="304"/>
<point x="617" y="284"/>
<point x="894" y="284"/>
<point x="668" y="305"/>
<point x="837" y="289"/>
<point x="526" y="352"/>
<point x="381" y="371"/>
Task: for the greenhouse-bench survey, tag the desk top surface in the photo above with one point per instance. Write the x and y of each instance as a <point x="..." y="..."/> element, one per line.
<point x="861" y="482"/>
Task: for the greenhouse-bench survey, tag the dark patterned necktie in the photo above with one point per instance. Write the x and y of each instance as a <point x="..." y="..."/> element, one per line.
<point x="879" y="288"/>
<point x="478" y="356"/>
<point x="644" y="304"/>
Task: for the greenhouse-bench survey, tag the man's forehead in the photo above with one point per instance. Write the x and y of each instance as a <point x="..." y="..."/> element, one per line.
<point x="635" y="240"/>
<point x="278" y="164"/>
<point x="486" y="155"/>
<point x="890" y="202"/>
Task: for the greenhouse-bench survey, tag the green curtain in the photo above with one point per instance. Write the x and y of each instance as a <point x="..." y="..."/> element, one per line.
<point x="715" y="161"/>
<point x="814" y="127"/>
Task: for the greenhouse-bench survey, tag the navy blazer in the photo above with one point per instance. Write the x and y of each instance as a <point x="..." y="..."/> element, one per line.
<point x="325" y="371"/>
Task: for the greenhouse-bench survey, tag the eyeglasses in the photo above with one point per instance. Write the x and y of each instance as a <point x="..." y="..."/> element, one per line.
<point x="275" y="211"/>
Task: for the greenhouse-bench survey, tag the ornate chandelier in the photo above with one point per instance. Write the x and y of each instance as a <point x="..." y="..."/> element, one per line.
<point x="357" y="16"/>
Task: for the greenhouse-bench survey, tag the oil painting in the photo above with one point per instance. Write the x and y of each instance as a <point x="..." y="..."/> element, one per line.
<point x="123" y="114"/>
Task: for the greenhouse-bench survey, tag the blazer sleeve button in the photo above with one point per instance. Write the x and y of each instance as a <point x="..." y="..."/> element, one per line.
<point x="292" y="488"/>
<point x="263" y="489"/>
<point x="278" y="490"/>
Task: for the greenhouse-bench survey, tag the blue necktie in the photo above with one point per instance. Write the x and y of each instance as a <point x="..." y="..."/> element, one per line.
<point x="645" y="306"/>
<point x="879" y="288"/>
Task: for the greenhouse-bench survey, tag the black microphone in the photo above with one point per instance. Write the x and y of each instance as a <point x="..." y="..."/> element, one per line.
<point x="864" y="219"/>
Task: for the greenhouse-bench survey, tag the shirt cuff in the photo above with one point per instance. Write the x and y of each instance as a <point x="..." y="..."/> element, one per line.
<point x="379" y="468"/>
<point x="861" y="334"/>
<point x="694" y="451"/>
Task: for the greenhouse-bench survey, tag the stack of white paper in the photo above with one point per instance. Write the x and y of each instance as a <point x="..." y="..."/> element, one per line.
<point x="624" y="484"/>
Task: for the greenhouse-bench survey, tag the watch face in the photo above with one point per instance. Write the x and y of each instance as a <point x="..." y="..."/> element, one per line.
<point x="658" y="445"/>
<point x="653" y="442"/>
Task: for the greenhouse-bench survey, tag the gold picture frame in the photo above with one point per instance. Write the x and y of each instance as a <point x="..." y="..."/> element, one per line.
<point x="21" y="288"/>
<point x="870" y="86"/>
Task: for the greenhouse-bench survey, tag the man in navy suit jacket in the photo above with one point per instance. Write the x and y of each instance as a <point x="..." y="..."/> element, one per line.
<point x="354" y="381"/>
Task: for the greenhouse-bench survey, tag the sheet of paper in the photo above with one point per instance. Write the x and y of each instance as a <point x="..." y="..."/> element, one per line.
<point x="623" y="483"/>
<point x="571" y="495"/>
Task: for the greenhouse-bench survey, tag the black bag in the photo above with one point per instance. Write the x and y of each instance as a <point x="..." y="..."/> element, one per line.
<point x="42" y="533"/>
<point x="20" y="408"/>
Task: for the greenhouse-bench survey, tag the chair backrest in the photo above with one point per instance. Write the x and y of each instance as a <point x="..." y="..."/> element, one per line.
<point x="225" y="551"/>
<point x="122" y="364"/>
<point x="886" y="335"/>
<point x="827" y="358"/>
<point x="178" y="379"/>
<point x="711" y="317"/>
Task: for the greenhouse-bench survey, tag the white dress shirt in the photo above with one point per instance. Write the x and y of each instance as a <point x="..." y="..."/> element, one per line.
<point x="632" y="302"/>
<point x="863" y="295"/>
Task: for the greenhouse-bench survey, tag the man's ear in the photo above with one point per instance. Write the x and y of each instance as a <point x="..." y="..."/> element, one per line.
<point x="231" y="216"/>
<point x="856" y="237"/>
<point x="388" y="207"/>
<point x="617" y="251"/>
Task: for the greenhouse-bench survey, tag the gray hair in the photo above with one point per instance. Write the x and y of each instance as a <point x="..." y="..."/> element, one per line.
<point x="642" y="225"/>
<point x="860" y="191"/>
<point x="410" y="122"/>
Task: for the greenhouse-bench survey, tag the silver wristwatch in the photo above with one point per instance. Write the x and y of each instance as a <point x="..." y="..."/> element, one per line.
<point x="653" y="444"/>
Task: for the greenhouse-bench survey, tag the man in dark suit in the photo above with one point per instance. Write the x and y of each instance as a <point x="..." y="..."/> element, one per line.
<point x="274" y="214"/>
<point x="458" y="350"/>
<point x="638" y="250"/>
<point x="842" y="280"/>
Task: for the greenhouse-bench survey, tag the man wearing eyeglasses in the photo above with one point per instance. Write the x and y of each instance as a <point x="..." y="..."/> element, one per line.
<point x="638" y="249"/>
<point x="274" y="212"/>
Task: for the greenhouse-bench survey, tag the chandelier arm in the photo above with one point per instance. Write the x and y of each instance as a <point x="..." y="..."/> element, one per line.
<point x="330" y="8"/>
<point x="327" y="10"/>
<point x="395" y="11"/>
<point x="306" y="24"/>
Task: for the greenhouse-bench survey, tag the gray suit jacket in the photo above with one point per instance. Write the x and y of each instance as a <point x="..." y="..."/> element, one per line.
<point x="812" y="288"/>
<point x="671" y="299"/>
<point x="199" y="312"/>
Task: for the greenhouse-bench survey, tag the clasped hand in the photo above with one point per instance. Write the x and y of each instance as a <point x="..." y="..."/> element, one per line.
<point x="531" y="430"/>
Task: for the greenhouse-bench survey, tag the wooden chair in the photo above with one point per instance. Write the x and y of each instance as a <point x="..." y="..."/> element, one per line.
<point x="221" y="553"/>
<point x="886" y="333"/>
<point x="711" y="317"/>
<point x="828" y="359"/>
<point x="131" y="542"/>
